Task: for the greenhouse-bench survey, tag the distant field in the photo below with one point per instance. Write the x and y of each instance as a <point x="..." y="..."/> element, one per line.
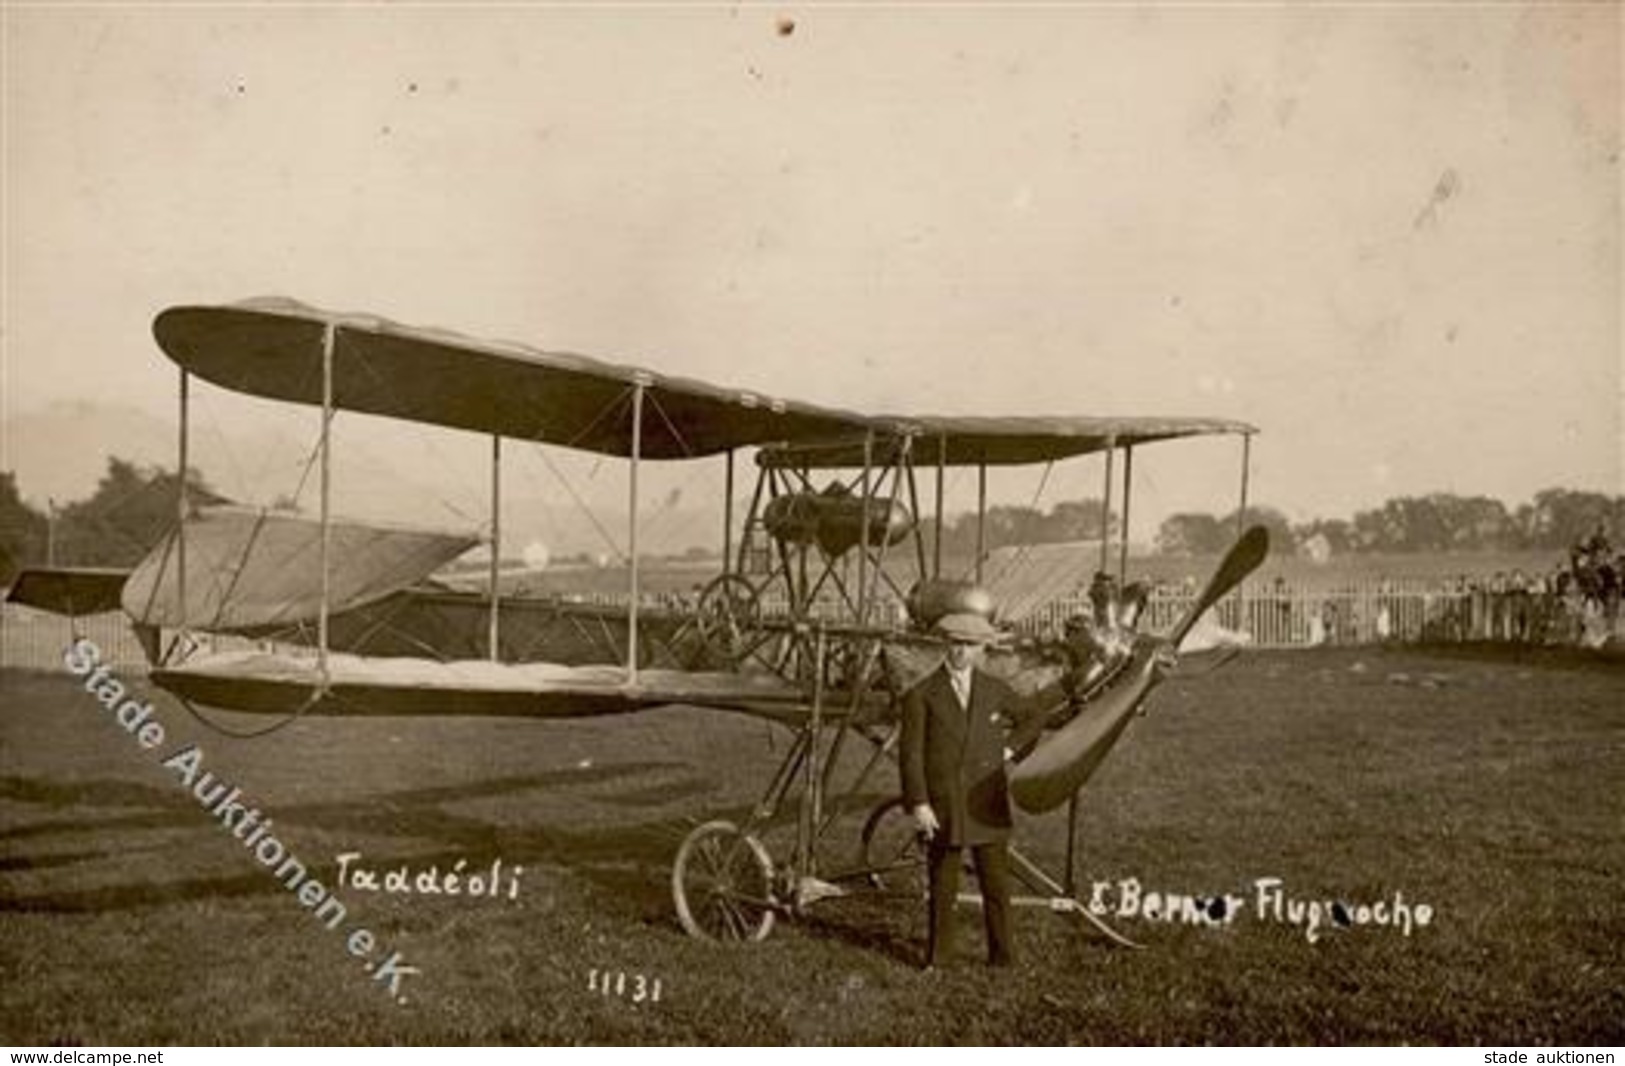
<point x="1486" y="788"/>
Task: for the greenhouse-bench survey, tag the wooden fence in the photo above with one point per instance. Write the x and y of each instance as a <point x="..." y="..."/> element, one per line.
<point x="36" y="640"/>
<point x="1374" y="612"/>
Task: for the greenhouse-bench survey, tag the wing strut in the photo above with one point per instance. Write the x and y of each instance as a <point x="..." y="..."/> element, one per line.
<point x="1128" y="498"/>
<point x="1106" y="508"/>
<point x="329" y="338"/>
<point x="638" y="386"/>
<point x="496" y="546"/>
<point x="180" y="492"/>
<point x="863" y="537"/>
<point x="728" y="513"/>
<point x="1246" y="467"/>
<point x="1105" y="561"/>
<point x="1241" y="520"/>
<point x="936" y="542"/>
<point x="981" y="518"/>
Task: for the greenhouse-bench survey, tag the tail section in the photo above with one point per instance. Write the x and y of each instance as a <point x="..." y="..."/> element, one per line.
<point x="69" y="590"/>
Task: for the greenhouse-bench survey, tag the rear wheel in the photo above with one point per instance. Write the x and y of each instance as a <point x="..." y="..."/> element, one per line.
<point x="722" y="883"/>
<point x="893" y="853"/>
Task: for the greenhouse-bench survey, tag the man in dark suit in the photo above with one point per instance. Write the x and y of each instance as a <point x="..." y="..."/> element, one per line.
<point x="955" y="785"/>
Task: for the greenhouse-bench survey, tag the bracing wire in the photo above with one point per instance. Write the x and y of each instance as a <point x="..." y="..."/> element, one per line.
<point x="676" y="434"/>
<point x="253" y="734"/>
<point x="1019" y="557"/>
<point x="225" y="448"/>
<point x="621" y="400"/>
<point x="582" y="505"/>
<point x="357" y="357"/>
<point x="659" y="522"/>
<point x="310" y="464"/>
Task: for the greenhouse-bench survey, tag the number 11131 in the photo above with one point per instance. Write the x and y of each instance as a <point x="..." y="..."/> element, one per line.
<point x="622" y="985"/>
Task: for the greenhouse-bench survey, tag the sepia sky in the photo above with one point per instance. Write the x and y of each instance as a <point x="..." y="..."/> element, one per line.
<point x="1387" y="235"/>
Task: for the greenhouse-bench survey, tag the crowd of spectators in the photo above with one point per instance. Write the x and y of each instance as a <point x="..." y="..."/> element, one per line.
<point x="1576" y="602"/>
<point x="1548" y="608"/>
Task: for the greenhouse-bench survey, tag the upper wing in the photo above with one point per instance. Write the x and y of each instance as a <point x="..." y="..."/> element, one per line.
<point x="274" y="348"/>
<point x="967" y="440"/>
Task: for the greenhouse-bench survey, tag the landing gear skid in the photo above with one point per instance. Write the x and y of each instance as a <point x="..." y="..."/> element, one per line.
<point x="894" y="857"/>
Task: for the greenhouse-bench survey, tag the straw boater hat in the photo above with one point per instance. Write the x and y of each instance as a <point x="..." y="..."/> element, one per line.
<point x="966" y="628"/>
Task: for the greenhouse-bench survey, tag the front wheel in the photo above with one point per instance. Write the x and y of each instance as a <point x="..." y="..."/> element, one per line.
<point x="722" y="883"/>
<point x="729" y="620"/>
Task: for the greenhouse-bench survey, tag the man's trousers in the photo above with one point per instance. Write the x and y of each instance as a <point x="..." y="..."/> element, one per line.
<point x="993" y="876"/>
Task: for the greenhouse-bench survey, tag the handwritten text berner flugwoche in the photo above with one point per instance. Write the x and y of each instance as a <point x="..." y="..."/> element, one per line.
<point x="1267" y="900"/>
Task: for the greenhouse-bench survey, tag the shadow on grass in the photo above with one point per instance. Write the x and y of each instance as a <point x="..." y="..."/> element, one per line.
<point x="178" y="809"/>
<point x="419" y="813"/>
<point x="862" y="926"/>
<point x="1610" y="656"/>
<point x="630" y="863"/>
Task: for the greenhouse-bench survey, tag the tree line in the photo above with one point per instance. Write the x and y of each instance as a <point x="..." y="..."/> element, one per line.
<point x="130" y="510"/>
<point x="1555" y="520"/>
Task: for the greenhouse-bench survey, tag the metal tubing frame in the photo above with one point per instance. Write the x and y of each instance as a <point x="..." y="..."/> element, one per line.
<point x="763" y="474"/>
<point x="881" y="745"/>
<point x="863" y="529"/>
<point x="981" y="517"/>
<point x="833" y="756"/>
<point x="830" y="571"/>
<point x="786" y="565"/>
<point x="914" y="504"/>
<point x="901" y="463"/>
<point x="1034" y="875"/>
<point x="812" y="797"/>
<point x="1070" y="884"/>
<point x="773" y="796"/>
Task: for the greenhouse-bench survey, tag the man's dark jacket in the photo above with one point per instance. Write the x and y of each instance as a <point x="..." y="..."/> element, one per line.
<point x="954" y="759"/>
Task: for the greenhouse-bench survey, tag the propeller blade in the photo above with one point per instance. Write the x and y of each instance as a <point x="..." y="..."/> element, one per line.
<point x="1243" y="558"/>
<point x="1061" y="765"/>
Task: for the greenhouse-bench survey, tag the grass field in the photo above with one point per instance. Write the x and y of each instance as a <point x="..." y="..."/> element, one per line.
<point x="1487" y="788"/>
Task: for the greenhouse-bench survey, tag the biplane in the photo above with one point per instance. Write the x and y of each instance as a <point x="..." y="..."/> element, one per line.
<point x="820" y="617"/>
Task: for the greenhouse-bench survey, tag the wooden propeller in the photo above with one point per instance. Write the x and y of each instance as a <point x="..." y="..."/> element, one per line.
<point x="1062" y="763"/>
